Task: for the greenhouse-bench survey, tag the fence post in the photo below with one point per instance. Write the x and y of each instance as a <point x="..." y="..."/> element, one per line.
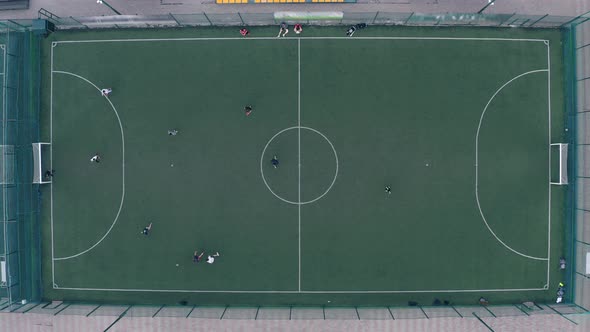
<point x="241" y="19"/>
<point x="13" y="22"/>
<point x="409" y="17"/>
<point x="521" y="309"/>
<point x="575" y="18"/>
<point x="506" y="20"/>
<point x="523" y="23"/>
<point x="375" y="18"/>
<point x="207" y="17"/>
<point x="175" y="20"/>
<point x="8" y="29"/>
<point x="84" y="25"/>
<point x="538" y="20"/>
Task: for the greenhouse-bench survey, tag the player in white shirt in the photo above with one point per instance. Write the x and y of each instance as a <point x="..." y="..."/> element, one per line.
<point x="106" y="92"/>
<point x="211" y="258"/>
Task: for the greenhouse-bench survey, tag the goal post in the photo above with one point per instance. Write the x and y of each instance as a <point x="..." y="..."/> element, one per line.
<point x="563" y="178"/>
<point x="40" y="163"/>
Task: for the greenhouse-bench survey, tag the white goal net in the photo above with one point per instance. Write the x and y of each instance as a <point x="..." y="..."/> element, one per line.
<point x="40" y="164"/>
<point x="562" y="147"/>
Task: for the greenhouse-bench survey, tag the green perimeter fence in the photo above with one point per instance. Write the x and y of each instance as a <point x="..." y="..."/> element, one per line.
<point x="19" y="225"/>
<point x="323" y="18"/>
<point x="19" y="231"/>
<point x="579" y="137"/>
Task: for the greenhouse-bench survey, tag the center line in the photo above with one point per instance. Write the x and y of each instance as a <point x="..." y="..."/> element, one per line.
<point x="299" y="150"/>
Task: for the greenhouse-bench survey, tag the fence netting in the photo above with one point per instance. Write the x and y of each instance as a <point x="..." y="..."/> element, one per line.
<point x="580" y="122"/>
<point x="19" y="100"/>
<point x="328" y="18"/>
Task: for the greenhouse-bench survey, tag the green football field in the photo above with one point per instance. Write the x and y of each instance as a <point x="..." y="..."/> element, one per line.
<point x="457" y="122"/>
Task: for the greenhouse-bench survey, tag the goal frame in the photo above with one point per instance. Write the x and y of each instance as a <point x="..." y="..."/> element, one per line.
<point x="38" y="163"/>
<point x="563" y="176"/>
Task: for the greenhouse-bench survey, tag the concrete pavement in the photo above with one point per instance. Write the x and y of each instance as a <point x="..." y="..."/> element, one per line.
<point x="65" y="8"/>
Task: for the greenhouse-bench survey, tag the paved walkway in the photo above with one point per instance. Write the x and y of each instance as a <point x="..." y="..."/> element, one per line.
<point x="64" y="8"/>
<point x="76" y="323"/>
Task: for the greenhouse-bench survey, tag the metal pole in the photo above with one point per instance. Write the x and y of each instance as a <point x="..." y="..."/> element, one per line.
<point x="575" y="18"/>
<point x="409" y="17"/>
<point x="375" y="18"/>
<point x="490" y="2"/>
<point x="13" y="22"/>
<point x="175" y="20"/>
<point x="506" y="20"/>
<point x="538" y="20"/>
<point x="107" y="4"/>
<point x="241" y="19"/>
<point x="84" y="25"/>
<point x="211" y="23"/>
<point x="523" y="23"/>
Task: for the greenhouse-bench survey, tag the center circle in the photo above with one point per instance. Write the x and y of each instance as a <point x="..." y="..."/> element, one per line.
<point x="265" y="163"/>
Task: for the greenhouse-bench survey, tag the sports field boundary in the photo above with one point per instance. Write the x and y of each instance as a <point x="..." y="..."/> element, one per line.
<point x="4" y="197"/>
<point x="291" y="38"/>
<point x="299" y="127"/>
<point x="298" y="159"/>
<point x="549" y="160"/>
<point x="302" y="291"/>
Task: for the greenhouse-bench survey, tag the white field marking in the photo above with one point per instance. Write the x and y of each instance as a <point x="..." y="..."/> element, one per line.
<point x="433" y="38"/>
<point x="477" y="160"/>
<point x="262" y="167"/>
<point x="337" y="164"/>
<point x="262" y="164"/>
<point x="303" y="292"/>
<point x="549" y="162"/>
<point x="51" y="163"/>
<point x="274" y="38"/>
<point x="123" y="168"/>
<point x="4" y="116"/>
<point x="299" y="154"/>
